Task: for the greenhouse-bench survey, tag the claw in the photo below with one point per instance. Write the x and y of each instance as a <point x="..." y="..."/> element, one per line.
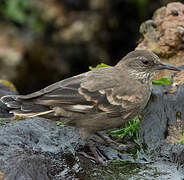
<point x="107" y="141"/>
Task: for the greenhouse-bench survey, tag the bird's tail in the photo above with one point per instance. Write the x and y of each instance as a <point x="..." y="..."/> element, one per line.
<point x="21" y="106"/>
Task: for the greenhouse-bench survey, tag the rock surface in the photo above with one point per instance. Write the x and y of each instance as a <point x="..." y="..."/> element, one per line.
<point x="164" y="34"/>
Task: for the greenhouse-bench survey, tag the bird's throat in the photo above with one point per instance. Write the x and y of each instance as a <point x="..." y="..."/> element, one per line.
<point x="144" y="77"/>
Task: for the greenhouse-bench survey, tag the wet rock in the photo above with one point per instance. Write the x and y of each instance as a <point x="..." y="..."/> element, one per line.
<point x="153" y="126"/>
<point x="163" y="117"/>
<point x="34" y="149"/>
<point x="161" y="129"/>
<point x="37" y="149"/>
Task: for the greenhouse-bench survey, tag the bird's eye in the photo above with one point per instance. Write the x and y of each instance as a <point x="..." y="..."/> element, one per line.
<point x="145" y="62"/>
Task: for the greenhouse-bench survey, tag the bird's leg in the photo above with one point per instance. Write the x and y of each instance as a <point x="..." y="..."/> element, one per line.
<point x="93" y="149"/>
<point x="108" y="141"/>
<point x="87" y="155"/>
<point x="91" y="144"/>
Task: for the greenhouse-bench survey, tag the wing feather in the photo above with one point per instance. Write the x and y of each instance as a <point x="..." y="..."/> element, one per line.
<point x="89" y="92"/>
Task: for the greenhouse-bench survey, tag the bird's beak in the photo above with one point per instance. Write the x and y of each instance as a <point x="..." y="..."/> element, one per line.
<point x="163" y="65"/>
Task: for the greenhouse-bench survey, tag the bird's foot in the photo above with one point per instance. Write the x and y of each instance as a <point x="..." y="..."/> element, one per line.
<point x="107" y="141"/>
<point x="97" y="158"/>
<point x="88" y="156"/>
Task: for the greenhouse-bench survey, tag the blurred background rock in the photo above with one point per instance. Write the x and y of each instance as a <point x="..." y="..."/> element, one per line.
<point x="48" y="40"/>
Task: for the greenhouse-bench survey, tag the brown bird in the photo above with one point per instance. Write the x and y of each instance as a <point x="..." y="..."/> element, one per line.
<point x="97" y="100"/>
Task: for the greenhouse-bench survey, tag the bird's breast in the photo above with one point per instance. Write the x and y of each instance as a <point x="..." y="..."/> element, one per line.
<point x="135" y="102"/>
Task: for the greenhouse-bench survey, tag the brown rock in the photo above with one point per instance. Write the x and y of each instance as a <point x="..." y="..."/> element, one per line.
<point x="164" y="34"/>
<point x="178" y="80"/>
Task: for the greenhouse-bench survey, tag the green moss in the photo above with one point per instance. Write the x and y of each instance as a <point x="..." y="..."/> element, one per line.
<point x="130" y="128"/>
<point x="59" y="124"/>
<point x="101" y="65"/>
<point x="161" y="81"/>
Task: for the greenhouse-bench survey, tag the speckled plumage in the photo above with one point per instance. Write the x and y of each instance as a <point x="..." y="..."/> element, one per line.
<point x="100" y="99"/>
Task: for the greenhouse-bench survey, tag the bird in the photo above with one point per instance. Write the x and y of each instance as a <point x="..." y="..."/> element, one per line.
<point x="96" y="100"/>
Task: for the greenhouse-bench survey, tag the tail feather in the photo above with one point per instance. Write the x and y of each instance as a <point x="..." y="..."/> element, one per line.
<point x="37" y="108"/>
<point x="24" y="107"/>
<point x="30" y="114"/>
<point x="8" y="98"/>
<point x="13" y="104"/>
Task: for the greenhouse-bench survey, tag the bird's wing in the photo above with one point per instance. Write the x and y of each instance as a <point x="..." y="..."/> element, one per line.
<point x="88" y="92"/>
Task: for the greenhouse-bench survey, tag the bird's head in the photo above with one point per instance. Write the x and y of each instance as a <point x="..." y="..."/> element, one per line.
<point x="143" y="64"/>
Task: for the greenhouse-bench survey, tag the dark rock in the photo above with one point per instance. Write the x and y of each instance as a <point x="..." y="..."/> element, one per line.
<point x="160" y="114"/>
<point x="37" y="149"/>
<point x="153" y="126"/>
